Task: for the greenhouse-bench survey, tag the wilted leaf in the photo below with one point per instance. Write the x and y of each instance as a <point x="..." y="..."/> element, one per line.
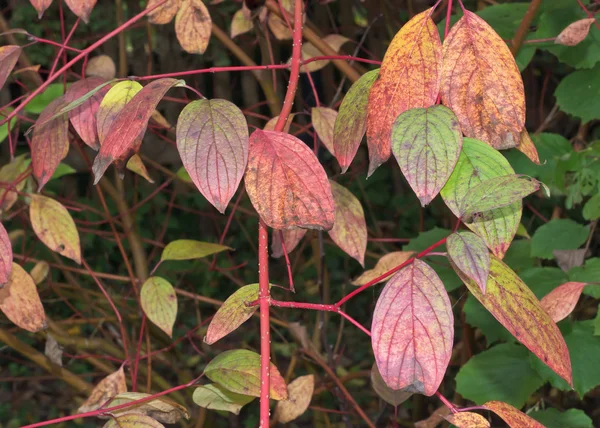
<point x="300" y="392"/>
<point x="55" y="227"/>
<point x="129" y="125"/>
<point x="279" y="26"/>
<point x="232" y="313"/>
<point x="413" y="330"/>
<point x="107" y="388"/>
<point x="39" y="272"/>
<point x="479" y="162"/>
<point x="568" y="259"/>
<point x="561" y="301"/>
<point x="9" y="56"/>
<point x="515" y="306"/>
<point x="159" y="303"/>
<point x="81" y="8"/>
<point x="188" y="249"/>
<point x="286" y="184"/>
<point x="395" y="398"/>
<point x="384" y="264"/>
<point x="468" y="420"/>
<point x="291" y="238"/>
<point x="164" y="13"/>
<point x="133" y="420"/>
<point x="351" y="122"/>
<point x="41" y="6"/>
<point x="212" y="139"/>
<point x="20" y="302"/>
<point x="323" y="120"/>
<point x="335" y="41"/>
<point x="513" y="417"/>
<point x="471" y="256"/>
<point x="426" y="143"/>
<point x="409" y="78"/>
<point x="101" y="66"/>
<point x="10" y="173"/>
<point x="575" y="33"/>
<point x="215" y="397"/>
<point x="238" y="371"/>
<point x="6" y="256"/>
<point x="162" y="409"/>
<point x="349" y="230"/>
<point x="193" y="26"/>
<point x="83" y="118"/>
<point x="527" y="147"/>
<point x="241" y="22"/>
<point x="482" y="84"/>
<point x="50" y="142"/>
<point x="52" y="350"/>
<point x="136" y="165"/>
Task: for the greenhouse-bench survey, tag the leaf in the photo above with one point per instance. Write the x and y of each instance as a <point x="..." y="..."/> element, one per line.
<point x="286" y="184"/>
<point x="11" y="173"/>
<point x="193" y="26"/>
<point x="468" y="420"/>
<point x="513" y="417"/>
<point x="83" y="118"/>
<point x="6" y="256"/>
<point x="129" y="125"/>
<point x="482" y="84"/>
<point x="335" y="41"/>
<point x="53" y="351"/>
<point x="159" y="303"/>
<point x="527" y="147"/>
<point x="40" y="272"/>
<point x="471" y="256"/>
<point x="573" y="94"/>
<point x="558" y="234"/>
<point x="568" y="259"/>
<point x="589" y="272"/>
<point x="238" y="371"/>
<point x="188" y="249"/>
<point x="515" y="306"/>
<point x="395" y="398"/>
<point x="323" y="120"/>
<point x="349" y="230"/>
<point x="479" y="162"/>
<point x="136" y="165"/>
<point x="41" y="101"/>
<point x="101" y="66"/>
<point x="575" y="33"/>
<point x="20" y="302"/>
<point x="409" y="78"/>
<point x="212" y="139"/>
<point x="106" y="389"/>
<point x="300" y="392"/>
<point x="291" y="238"/>
<point x="164" y="13"/>
<point x="4" y="128"/>
<point x="591" y="209"/>
<point x="232" y="313"/>
<point x="497" y="192"/>
<point x="215" y="397"/>
<point x="161" y="408"/>
<point x="133" y="420"/>
<point x="553" y="418"/>
<point x="270" y="125"/>
<point x="9" y="55"/>
<point x="241" y="22"/>
<point x="561" y="301"/>
<point x="41" y="6"/>
<point x="426" y="143"/>
<point x="54" y="226"/>
<point x="112" y="104"/>
<point x="384" y="264"/>
<point x="81" y="8"/>
<point x="351" y="122"/>
<point x="278" y="26"/>
<point x="50" y="142"/>
<point x="413" y="330"/>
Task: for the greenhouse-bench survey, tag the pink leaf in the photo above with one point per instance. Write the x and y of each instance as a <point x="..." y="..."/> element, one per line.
<point x="291" y="238"/>
<point x="81" y="8"/>
<point x="6" y="256"/>
<point x="83" y="118"/>
<point x="41" y="6"/>
<point x="561" y="301"/>
<point x="8" y="58"/>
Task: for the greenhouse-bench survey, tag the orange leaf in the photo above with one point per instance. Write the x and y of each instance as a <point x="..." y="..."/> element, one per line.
<point x="481" y="83"/>
<point x="106" y="389"/>
<point x="286" y="184"/>
<point x="384" y="264"/>
<point x="291" y="238"/>
<point x="83" y="118"/>
<point x="527" y="147"/>
<point x="41" y="6"/>
<point x="575" y="33"/>
<point x="9" y="56"/>
<point x="81" y="8"/>
<point x="6" y="256"/>
<point x="513" y="417"/>
<point x="20" y="302"/>
<point x="164" y="13"/>
<point x="409" y="78"/>
<point x="193" y="26"/>
<point x="468" y="420"/>
<point x="561" y="301"/>
<point x="323" y="120"/>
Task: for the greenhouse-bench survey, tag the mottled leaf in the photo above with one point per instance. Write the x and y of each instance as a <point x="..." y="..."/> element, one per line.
<point x="107" y="388"/>
<point x="162" y="409"/>
<point x="323" y="120"/>
<point x="215" y="397"/>
<point x="482" y="84"/>
<point x="527" y="147"/>
<point x="101" y="66"/>
<point x="6" y="256"/>
<point x="300" y="392"/>
<point x="9" y="56"/>
<point x="241" y="22"/>
<point x="291" y="238"/>
<point x="395" y="398"/>
<point x="409" y="78"/>
<point x="133" y="420"/>
<point x="238" y="371"/>
<point x="426" y="143"/>
<point x="561" y="301"/>
<point x="193" y="26"/>
<point x="41" y="6"/>
<point x="81" y="8"/>
<point x="212" y="139"/>
<point x="413" y="330"/>
<point x="513" y="417"/>
<point x="286" y="184"/>
<point x="40" y="272"/>
<point x="471" y="256"/>
<point x="335" y="41"/>
<point x="349" y="230"/>
<point x="20" y="302"/>
<point x="468" y="420"/>
<point x="351" y="122"/>
<point x="83" y="118"/>
<point x="159" y="303"/>
<point x="188" y="249"/>
<point x="55" y="227"/>
<point x="164" y="13"/>
<point x="384" y="264"/>
<point x="575" y="33"/>
<point x="515" y="306"/>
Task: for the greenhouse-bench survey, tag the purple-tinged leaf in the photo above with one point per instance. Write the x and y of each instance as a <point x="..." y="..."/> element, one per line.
<point x="470" y="254"/>
<point x="83" y="117"/>
<point x="6" y="256"/>
<point x="9" y="56"/>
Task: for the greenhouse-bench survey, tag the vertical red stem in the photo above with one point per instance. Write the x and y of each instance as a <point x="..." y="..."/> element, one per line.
<point x="265" y="332"/>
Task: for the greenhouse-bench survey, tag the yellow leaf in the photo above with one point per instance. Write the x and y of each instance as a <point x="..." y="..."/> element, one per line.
<point x="468" y="420"/>
<point x="384" y="264"/>
<point x="20" y="302"/>
<point x="241" y="22"/>
<point x="40" y="272"/>
<point x="527" y="147"/>
<point x="300" y="392"/>
<point x="193" y="26"/>
<point x="10" y="173"/>
<point x="188" y="249"/>
<point x="164" y="13"/>
<point x="136" y="165"/>
<point x="159" y="303"/>
<point x="278" y="26"/>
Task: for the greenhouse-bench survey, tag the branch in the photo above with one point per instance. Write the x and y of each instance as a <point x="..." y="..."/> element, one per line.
<point x="524" y="26"/>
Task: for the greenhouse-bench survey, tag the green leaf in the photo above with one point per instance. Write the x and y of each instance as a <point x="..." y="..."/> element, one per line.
<point x="578" y="94"/>
<point x="471" y="256"/>
<point x="183" y="175"/>
<point x="478" y="162"/>
<point x="188" y="249"/>
<point x="238" y="371"/>
<point x="558" y="234"/>
<point x="589" y="272"/>
<point x="4" y="128"/>
<point x="159" y="303"/>
<point x="591" y="209"/>
<point x="552" y="418"/>
<point x="215" y="397"/>
<point x="501" y="373"/>
<point x="41" y="101"/>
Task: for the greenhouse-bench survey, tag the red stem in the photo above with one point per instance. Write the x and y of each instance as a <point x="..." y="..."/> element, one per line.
<point x="448" y="13"/>
<point x="265" y="331"/>
<point x="447" y="403"/>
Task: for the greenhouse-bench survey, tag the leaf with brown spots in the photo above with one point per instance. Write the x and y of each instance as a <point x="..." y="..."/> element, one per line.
<point x="513" y="417"/>
<point x="527" y="147"/>
<point x="83" y="117"/>
<point x="159" y="302"/>
<point x="323" y="120"/>
<point x="575" y="33"/>
<point x="300" y="392"/>
<point x="20" y="302"/>
<point x="9" y="55"/>
<point x="6" y="256"/>
<point x="561" y="301"/>
<point x="384" y="264"/>
<point x="468" y="420"/>
<point x="109" y="387"/>
<point x="162" y="409"/>
<point x="164" y="13"/>
<point x="482" y="84"/>
<point x="409" y="77"/>
<point x="193" y="26"/>
<point x="41" y="6"/>
<point x="291" y="238"/>
<point x="81" y="8"/>
<point x="286" y="184"/>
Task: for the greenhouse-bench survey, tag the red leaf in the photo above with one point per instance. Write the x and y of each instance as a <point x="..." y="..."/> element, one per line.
<point x="9" y="56"/>
<point x="286" y="183"/>
<point x="513" y="417"/>
<point x="130" y="125"/>
<point x="212" y="139"/>
<point x="50" y="142"/>
<point x="41" y="6"/>
<point x="83" y="118"/>
<point x="561" y="301"/>
<point x="81" y="8"/>
<point x="291" y="238"/>
<point x="6" y="256"/>
<point x="413" y="330"/>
